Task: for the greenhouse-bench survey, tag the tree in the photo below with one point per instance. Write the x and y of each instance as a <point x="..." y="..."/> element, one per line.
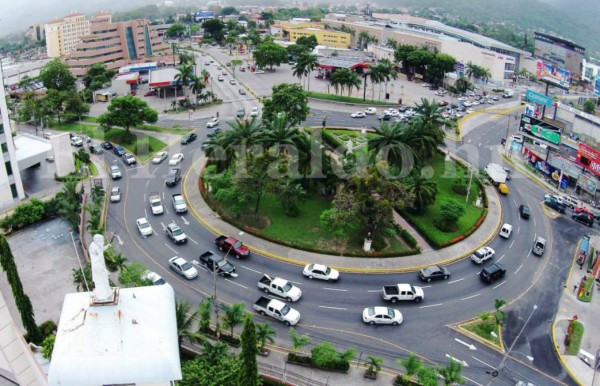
<point x="289" y="195"/>
<point x="133" y="276"/>
<point x="74" y="107"/>
<point x="55" y="75"/>
<point x="214" y="29"/>
<point x="48" y="346"/>
<point x="185" y="75"/>
<point x="462" y="84"/>
<point x="422" y="189"/>
<point x="289" y="98"/>
<point x="373" y="73"/>
<point x="127" y="112"/>
<point x="427" y="377"/>
<point x="439" y="66"/>
<point x="55" y="101"/>
<point x="97" y="76"/>
<point x="298" y="340"/>
<point x="401" y="55"/>
<point x="412" y="365"/>
<point x="82" y="278"/>
<point x="295" y="50"/>
<point x="450" y="212"/>
<point x="204" y="312"/>
<point x="249" y="368"/>
<point x="451" y="373"/>
<point x="269" y="54"/>
<point x="305" y="64"/>
<point x="184" y="319"/>
<point x="589" y="106"/>
<point x="499" y="315"/>
<point x="264" y="334"/>
<point x="344" y="78"/>
<point x="234" y="64"/>
<point x="309" y="42"/>
<point x="233" y="315"/>
<point x="392" y="142"/>
<point x="215" y="367"/>
<point x="197" y="86"/>
<point x="22" y="301"/>
<point x="177" y="30"/>
<point x="225" y="11"/>
<point x="69" y="202"/>
<point x="374" y="364"/>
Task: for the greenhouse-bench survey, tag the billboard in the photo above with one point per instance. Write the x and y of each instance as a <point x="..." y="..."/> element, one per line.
<point x="597" y="86"/>
<point x="540" y="129"/>
<point x="536" y="97"/>
<point x="544" y="167"/>
<point x="589" y="158"/>
<point x="533" y="110"/>
<point x="204" y="15"/>
<point x="551" y="74"/>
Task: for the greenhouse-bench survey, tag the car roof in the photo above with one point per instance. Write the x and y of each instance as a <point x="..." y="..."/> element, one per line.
<point x="507" y="226"/>
<point x="541" y="239"/>
<point x="172" y="226"/>
<point x="114" y="167"/>
<point x="320" y="267"/>
<point x="142" y="220"/>
<point x="115" y="189"/>
<point x="178" y="260"/>
<point x="381" y="310"/>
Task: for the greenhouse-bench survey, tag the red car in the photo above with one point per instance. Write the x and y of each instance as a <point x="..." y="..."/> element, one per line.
<point x="582" y="209"/>
<point x="443" y="103"/>
<point x="150" y="93"/>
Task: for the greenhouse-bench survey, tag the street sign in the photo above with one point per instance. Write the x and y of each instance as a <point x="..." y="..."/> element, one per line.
<point x="536" y="97"/>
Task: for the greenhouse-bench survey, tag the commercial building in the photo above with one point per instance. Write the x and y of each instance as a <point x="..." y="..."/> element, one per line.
<point x="591" y="69"/>
<point x="36" y="32"/>
<point x="559" y="52"/>
<point x="296" y="28"/>
<point x="116" y="45"/>
<point x="63" y="35"/>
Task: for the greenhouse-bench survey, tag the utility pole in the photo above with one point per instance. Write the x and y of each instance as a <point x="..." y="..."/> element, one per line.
<point x="214" y="272"/>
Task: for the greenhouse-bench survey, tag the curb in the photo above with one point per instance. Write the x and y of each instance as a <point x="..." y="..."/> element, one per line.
<point x="459" y="328"/>
<point x="560" y="356"/>
<point x="314" y="99"/>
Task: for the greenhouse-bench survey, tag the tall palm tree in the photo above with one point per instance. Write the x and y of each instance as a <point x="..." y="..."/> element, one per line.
<point x="498" y="313"/>
<point x="233" y="315"/>
<point x="423" y="190"/>
<point x="352" y="80"/>
<point x="218" y="149"/>
<point x="431" y="119"/>
<point x="185" y="320"/>
<point x="373" y="73"/>
<point x="338" y="80"/>
<point x="485" y="75"/>
<point x="390" y="139"/>
<point x="279" y="132"/>
<point x="452" y="373"/>
<point x="471" y="69"/>
<point x="386" y="68"/>
<point x="185" y="75"/>
<point x="305" y="64"/>
<point x="197" y="86"/>
<point x="264" y="334"/>
<point x="243" y="133"/>
<point x="289" y="194"/>
<point x="411" y="364"/>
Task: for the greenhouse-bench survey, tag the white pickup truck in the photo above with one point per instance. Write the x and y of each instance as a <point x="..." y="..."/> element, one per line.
<point x="155" y="203"/>
<point x="397" y="292"/>
<point x="277" y="310"/>
<point x="280" y="287"/>
<point x="179" y="203"/>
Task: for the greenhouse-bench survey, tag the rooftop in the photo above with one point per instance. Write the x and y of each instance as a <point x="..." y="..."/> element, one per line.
<point x="163" y="77"/>
<point x="343" y="62"/>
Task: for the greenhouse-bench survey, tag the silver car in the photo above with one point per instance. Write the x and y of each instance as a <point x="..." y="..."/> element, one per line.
<point x="160" y="157"/>
<point x="115" y="194"/>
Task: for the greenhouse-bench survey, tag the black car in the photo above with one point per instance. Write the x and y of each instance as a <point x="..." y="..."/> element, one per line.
<point x="173" y="177"/>
<point x="524" y="211"/>
<point x="584" y="218"/>
<point x="187" y="138"/>
<point x="385" y="117"/>
<point x="434" y="272"/>
<point x="216" y="263"/>
<point x="557" y="206"/>
<point x="119" y="150"/>
<point x="107" y="145"/>
<point x="492" y="272"/>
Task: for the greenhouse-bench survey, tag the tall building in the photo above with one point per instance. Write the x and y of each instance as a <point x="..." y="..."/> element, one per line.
<point x="63" y="35"/>
<point x="36" y="32"/>
<point x="559" y="52"/>
<point x="116" y="44"/>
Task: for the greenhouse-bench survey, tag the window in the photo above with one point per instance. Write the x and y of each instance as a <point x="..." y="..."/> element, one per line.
<point x="8" y="168"/>
<point x="13" y="190"/>
<point x="4" y="147"/>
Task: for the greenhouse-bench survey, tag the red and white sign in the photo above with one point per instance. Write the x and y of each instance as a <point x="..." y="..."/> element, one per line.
<point x="589" y="158"/>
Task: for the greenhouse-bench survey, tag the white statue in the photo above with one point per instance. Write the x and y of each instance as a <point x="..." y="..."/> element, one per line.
<point x="349" y="146"/>
<point x="102" y="290"/>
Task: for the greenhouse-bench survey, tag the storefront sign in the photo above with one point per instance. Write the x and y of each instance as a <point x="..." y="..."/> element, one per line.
<point x="536" y="97"/>
<point x="540" y="129"/>
<point x="589" y="158"/>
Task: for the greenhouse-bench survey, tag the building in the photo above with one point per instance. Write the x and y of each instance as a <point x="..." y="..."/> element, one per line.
<point x="200" y="16"/>
<point x="36" y="32"/>
<point x="296" y="28"/>
<point x="63" y="35"/>
<point x="591" y="69"/>
<point x="116" y="45"/>
<point x="559" y="52"/>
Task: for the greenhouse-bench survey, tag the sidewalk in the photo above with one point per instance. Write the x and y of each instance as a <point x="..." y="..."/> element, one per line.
<point x="587" y="313"/>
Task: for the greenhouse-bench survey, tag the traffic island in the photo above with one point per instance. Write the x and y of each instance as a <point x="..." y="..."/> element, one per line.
<point x="484" y="330"/>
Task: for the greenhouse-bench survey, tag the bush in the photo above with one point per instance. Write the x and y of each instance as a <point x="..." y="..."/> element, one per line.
<point x="232" y="340"/>
<point x="325" y="355"/>
<point x="408" y="238"/>
<point x="48" y="328"/>
<point x="459" y="189"/>
<point x="401" y="380"/>
<point x="267" y="381"/>
<point x="303" y="359"/>
<point x="48" y="346"/>
<point x="332" y="140"/>
<point x="24" y="215"/>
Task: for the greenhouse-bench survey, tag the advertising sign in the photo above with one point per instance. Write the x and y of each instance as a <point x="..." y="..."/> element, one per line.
<point x="541" y="165"/>
<point x="534" y="111"/>
<point x="597" y="86"/>
<point x="203" y="15"/>
<point x="540" y="129"/>
<point x="536" y="97"/>
<point x="589" y="158"/>
<point x="549" y="73"/>
<point x="586" y="183"/>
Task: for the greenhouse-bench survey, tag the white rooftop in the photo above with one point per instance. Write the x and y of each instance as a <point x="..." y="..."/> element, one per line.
<point x="30" y="150"/>
<point x="163" y="77"/>
<point x="132" y="342"/>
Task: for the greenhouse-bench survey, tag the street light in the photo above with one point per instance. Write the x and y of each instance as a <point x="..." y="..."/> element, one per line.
<point x="529" y="357"/>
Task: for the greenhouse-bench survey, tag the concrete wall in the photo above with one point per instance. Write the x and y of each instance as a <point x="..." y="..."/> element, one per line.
<point x="63" y="154"/>
<point x="466" y="52"/>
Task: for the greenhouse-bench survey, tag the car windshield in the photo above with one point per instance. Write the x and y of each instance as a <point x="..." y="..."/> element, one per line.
<point x="178" y="200"/>
<point x="370" y="311"/>
<point x="430" y="270"/>
<point x="186" y="266"/>
<point x="478" y="253"/>
<point x="114" y="168"/>
<point x="287" y="287"/>
<point x="526" y="209"/>
<point x="144" y="225"/>
<point x="156" y="203"/>
<point x="224" y="265"/>
<point x="327" y="271"/>
<point x="390" y="312"/>
<point x="177" y="231"/>
<point x="539" y="245"/>
<point x="237" y="245"/>
<point x="160" y="281"/>
<point x="285" y="310"/>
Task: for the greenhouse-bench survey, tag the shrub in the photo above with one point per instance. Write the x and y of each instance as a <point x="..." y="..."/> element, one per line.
<point x="267" y="381"/>
<point x="326" y="355"/>
<point x="459" y="189"/>
<point x="408" y="238"/>
<point x="48" y="346"/>
<point x="48" y="328"/>
<point x="24" y="215"/>
<point x="232" y="340"/>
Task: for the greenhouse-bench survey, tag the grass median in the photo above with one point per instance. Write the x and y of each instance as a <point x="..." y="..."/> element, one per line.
<point x="347" y="99"/>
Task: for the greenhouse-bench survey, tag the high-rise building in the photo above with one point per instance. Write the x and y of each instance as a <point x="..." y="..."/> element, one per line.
<point x="36" y="33"/>
<point x="63" y="35"/>
<point x="116" y="44"/>
<point x="559" y="52"/>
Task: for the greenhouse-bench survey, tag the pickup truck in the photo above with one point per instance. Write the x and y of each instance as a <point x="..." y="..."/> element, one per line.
<point x="397" y="292"/>
<point x="277" y="309"/>
<point x="179" y="203"/>
<point x="155" y="203"/>
<point x="280" y="287"/>
<point x="225" y="243"/>
<point x="218" y="264"/>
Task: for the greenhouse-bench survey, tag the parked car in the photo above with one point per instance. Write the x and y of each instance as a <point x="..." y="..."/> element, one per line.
<point x="119" y="150"/>
<point x="524" y="211"/>
<point x="175" y="233"/>
<point x="176" y="159"/>
<point x="321" y="272"/>
<point x="129" y="159"/>
<point x="434" y="272"/>
<point x="153" y="277"/>
<point x="382" y="315"/>
<point x="183" y="267"/>
<point x="242" y="91"/>
<point x="115" y="172"/>
<point x="173" y="177"/>
<point x="107" y="145"/>
<point x="213" y="122"/>
<point x="358" y="114"/>
<point x="584" y="218"/>
<point x="370" y="111"/>
<point x="483" y="254"/>
<point x="77" y="142"/>
<point x="160" y="157"/>
<point x="492" y="272"/>
<point x="144" y="226"/>
<point x="539" y="246"/>
<point x="115" y="194"/>
<point x="187" y="138"/>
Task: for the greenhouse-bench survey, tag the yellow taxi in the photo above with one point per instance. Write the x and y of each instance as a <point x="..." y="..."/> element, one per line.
<point x="504" y="189"/>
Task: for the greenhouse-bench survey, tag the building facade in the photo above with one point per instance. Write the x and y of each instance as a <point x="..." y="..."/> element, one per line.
<point x="560" y="53"/>
<point x="591" y="69"/>
<point x="63" y="35"/>
<point x="36" y="32"/>
<point x="116" y="45"/>
<point x="324" y="37"/>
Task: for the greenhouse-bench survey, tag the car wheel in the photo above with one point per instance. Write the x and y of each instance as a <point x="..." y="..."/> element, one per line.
<point x="418" y="300"/>
<point x="310" y="277"/>
<point x="446" y="277"/>
<point x="221" y="248"/>
<point x="372" y="323"/>
<point x="428" y="280"/>
<point x="393" y="300"/>
<point x="394" y="323"/>
<point x="262" y="313"/>
<point x="287" y="323"/>
<point x="288" y="299"/>
<point x="266" y="290"/>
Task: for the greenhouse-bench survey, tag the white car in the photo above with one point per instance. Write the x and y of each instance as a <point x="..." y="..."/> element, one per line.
<point x="469" y="111"/>
<point x="160" y="157"/>
<point x="259" y="72"/>
<point x="115" y="194"/>
<point x="144" y="226"/>
<point x="392" y="112"/>
<point x="462" y="99"/>
<point x="220" y="78"/>
<point x="483" y="254"/>
<point x="475" y="103"/>
<point x="232" y="81"/>
<point x="115" y="172"/>
<point x="254" y="112"/>
<point x="213" y="122"/>
<point x="129" y="159"/>
<point x="370" y="111"/>
<point x="458" y="114"/>
<point x="382" y="315"/>
<point x="153" y="277"/>
<point x="321" y="272"/>
<point x="176" y="159"/>
<point x="358" y="114"/>
<point x="183" y="267"/>
<point x="467" y="104"/>
<point x="425" y="84"/>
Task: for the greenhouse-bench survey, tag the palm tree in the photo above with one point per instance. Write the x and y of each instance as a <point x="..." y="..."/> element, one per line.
<point x="386" y="68"/>
<point x="374" y="364"/>
<point x="264" y="334"/>
<point x="233" y="315"/>
<point x="244" y="133"/>
<point x="184" y="319"/>
<point x="218" y="149"/>
<point x="400" y="143"/>
<point x="337" y="80"/>
<point x="289" y="194"/>
<point x="197" y="87"/>
<point x="308" y="62"/>
<point x="431" y="119"/>
<point x="185" y="75"/>
<point x="115" y="260"/>
<point x="83" y="278"/>
<point x="498" y="313"/>
<point x="411" y="364"/>
<point x="205" y="75"/>
<point x="471" y="70"/>
<point x="423" y="190"/>
<point x="373" y="73"/>
<point x="353" y="81"/>
<point x="298" y="340"/>
<point x="279" y="132"/>
<point x="451" y="373"/>
<point x="485" y="75"/>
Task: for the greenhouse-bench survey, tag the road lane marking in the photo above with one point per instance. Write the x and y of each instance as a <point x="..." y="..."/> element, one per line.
<point x="515" y="201"/>
<point x="534" y="223"/>
<point x="334" y="308"/>
<point x="144" y="196"/>
<point x="431" y="305"/>
<point x="500" y="284"/>
<point x="455" y="281"/>
<point x="518" y="269"/>
<point x="472" y="381"/>
<point x="295" y="282"/>
<point x="163" y="226"/>
<point x="482" y="362"/>
<point x="335" y="289"/>
<point x="374" y="290"/>
<point x="147" y="182"/>
<point x="186" y="222"/>
<point x="168" y="246"/>
<point x="425" y="286"/>
<point x="238" y="284"/>
<point x="500" y="258"/>
<point x="457" y="360"/>
<point x="470" y="297"/>
<point x="192" y="240"/>
<point x="511" y="244"/>
<point x="250" y="269"/>
<point x="518" y="229"/>
<point x="145" y="212"/>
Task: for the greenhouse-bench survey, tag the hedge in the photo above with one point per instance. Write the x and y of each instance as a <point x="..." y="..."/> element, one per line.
<point x="268" y="381"/>
<point x="335" y="365"/>
<point x="408" y="238"/>
<point x="28" y="213"/>
<point x="332" y="140"/>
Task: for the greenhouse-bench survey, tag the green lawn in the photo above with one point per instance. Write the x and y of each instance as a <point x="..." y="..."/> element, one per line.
<point x="573" y="348"/>
<point x="483" y="329"/>
<point x="589" y="288"/>
<point x="357" y="138"/>
<point x="143" y="146"/>
<point x="342" y="98"/>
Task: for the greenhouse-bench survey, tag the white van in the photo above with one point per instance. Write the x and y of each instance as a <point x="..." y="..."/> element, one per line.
<point x="570" y="201"/>
<point x="505" y="231"/>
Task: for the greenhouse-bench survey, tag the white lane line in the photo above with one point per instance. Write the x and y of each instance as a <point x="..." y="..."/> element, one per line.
<point x="168" y="246"/>
<point x="518" y="269"/>
<point x="145" y="212"/>
<point x="147" y="182"/>
<point x="518" y="229"/>
<point x="163" y="196"/>
<point x="455" y="281"/>
<point x="529" y="253"/>
<point x="472" y="381"/>
<point x="500" y="258"/>
<point x="164" y="227"/>
<point x="534" y="223"/>
<point x="239" y="285"/>
<point x="334" y="308"/>
<point x="250" y="269"/>
<point x="470" y="297"/>
<point x="515" y="203"/>
<point x="192" y="240"/>
<point x="511" y="244"/>
<point x="335" y="289"/>
<point x="431" y="305"/>
<point x="500" y="284"/>
<point x="295" y="282"/>
<point x="144" y="196"/>
<point x="425" y="286"/>
<point x="374" y="290"/>
<point x="167" y="210"/>
<point x="482" y="362"/>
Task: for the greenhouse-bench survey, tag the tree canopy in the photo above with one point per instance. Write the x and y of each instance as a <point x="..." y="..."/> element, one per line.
<point x="310" y="42"/>
<point x="269" y="54"/>
<point x="127" y="112"/>
<point x="177" y="30"/>
<point x="97" y="76"/>
<point x="289" y="98"/>
<point x="56" y="76"/>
